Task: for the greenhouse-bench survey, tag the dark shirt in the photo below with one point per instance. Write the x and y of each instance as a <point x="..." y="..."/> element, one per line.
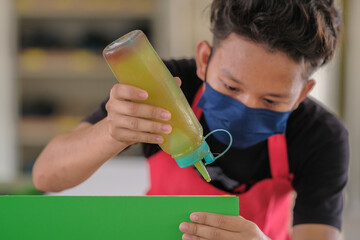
<point x="318" y="153"/>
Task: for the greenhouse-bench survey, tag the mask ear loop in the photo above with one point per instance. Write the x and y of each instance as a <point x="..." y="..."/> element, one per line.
<point x="228" y="147"/>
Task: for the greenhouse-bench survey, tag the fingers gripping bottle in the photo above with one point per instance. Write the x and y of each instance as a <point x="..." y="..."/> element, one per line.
<point x="133" y="61"/>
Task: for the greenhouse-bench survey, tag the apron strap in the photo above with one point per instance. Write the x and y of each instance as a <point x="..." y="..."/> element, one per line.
<point x="194" y="106"/>
<point x="278" y="156"/>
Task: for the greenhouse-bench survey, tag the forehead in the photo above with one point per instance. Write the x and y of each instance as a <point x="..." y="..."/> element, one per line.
<point x="238" y="54"/>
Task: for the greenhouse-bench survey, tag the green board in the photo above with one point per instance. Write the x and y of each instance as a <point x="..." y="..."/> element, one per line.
<point x="50" y="217"/>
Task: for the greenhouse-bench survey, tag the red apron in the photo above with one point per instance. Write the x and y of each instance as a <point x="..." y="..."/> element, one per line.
<point x="267" y="203"/>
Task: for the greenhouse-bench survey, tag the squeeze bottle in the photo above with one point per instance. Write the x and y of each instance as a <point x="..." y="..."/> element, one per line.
<point x="133" y="61"/>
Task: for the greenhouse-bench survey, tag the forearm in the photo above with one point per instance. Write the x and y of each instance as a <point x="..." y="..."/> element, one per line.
<point x="315" y="232"/>
<point x="71" y="158"/>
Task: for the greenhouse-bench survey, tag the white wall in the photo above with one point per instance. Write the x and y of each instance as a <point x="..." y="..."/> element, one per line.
<point x="327" y="87"/>
<point x="8" y="93"/>
<point x="352" y="102"/>
<point x="179" y="26"/>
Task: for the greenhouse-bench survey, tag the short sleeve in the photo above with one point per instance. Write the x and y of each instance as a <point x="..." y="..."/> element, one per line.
<point x="321" y="178"/>
<point x="99" y="114"/>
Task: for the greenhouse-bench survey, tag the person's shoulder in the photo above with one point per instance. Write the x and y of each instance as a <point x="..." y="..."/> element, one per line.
<point x="179" y="67"/>
<point x="319" y="158"/>
<point x="313" y="132"/>
<point x="312" y="117"/>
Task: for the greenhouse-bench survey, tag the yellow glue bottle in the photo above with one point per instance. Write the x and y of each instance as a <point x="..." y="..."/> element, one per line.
<point x="133" y="61"/>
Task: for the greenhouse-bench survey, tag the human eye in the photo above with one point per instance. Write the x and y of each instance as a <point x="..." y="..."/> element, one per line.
<point x="233" y="89"/>
<point x="270" y="102"/>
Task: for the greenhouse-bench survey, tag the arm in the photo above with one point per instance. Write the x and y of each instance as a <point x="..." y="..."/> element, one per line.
<point x="71" y="158"/>
<point x="315" y="232"/>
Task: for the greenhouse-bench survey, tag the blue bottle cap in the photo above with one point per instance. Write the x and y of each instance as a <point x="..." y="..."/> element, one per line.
<point x="202" y="152"/>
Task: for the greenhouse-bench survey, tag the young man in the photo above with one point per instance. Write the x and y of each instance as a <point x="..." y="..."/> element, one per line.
<point x="253" y="81"/>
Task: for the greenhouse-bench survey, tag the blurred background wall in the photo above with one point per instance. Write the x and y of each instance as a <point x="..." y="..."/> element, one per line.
<point x="351" y="99"/>
<point x="52" y="73"/>
<point x="9" y="169"/>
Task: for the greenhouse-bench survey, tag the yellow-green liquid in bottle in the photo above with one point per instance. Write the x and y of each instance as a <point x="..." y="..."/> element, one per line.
<point x="133" y="61"/>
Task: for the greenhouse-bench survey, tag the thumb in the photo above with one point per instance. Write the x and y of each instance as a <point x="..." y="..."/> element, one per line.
<point x="178" y="80"/>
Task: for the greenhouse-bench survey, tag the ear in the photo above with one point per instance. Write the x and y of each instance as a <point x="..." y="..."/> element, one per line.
<point x="203" y="50"/>
<point x="307" y="88"/>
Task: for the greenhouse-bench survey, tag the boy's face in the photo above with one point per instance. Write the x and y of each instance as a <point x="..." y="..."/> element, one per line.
<point x="251" y="74"/>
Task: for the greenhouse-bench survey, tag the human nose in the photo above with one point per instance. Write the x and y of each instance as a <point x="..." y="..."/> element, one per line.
<point x="248" y="100"/>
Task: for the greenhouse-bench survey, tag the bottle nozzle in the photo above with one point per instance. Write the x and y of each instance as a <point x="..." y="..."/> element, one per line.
<point x="202" y="170"/>
<point x="195" y="158"/>
<point x="202" y="152"/>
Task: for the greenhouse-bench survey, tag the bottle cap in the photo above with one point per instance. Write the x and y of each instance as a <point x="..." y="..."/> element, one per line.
<point x="195" y="158"/>
<point x="202" y="152"/>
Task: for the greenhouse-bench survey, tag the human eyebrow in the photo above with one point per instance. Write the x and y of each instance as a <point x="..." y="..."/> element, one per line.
<point x="229" y="75"/>
<point x="278" y="95"/>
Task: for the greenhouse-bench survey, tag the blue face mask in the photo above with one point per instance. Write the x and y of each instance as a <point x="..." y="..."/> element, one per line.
<point x="248" y="126"/>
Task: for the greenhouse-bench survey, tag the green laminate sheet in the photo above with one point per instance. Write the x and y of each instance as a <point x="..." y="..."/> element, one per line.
<point x="113" y="217"/>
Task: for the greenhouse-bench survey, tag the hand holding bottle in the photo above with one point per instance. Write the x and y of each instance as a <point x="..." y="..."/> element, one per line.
<point x="131" y="121"/>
